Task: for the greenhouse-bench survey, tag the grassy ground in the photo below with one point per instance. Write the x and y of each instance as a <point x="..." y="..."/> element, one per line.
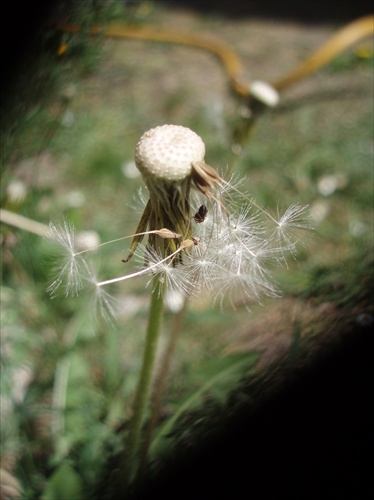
<point x="68" y="139"/>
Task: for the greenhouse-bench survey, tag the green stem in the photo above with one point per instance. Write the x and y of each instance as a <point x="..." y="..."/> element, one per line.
<point x="144" y="384"/>
<point x="160" y="383"/>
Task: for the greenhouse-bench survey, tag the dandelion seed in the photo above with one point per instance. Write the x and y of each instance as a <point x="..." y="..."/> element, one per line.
<point x="291" y="226"/>
<point x="150" y="269"/>
<point x="68" y="269"/>
<point x="103" y="302"/>
<point x="201" y="268"/>
<point x="237" y="284"/>
<point x="64" y="234"/>
<point x="175" y="277"/>
<point x="246" y="224"/>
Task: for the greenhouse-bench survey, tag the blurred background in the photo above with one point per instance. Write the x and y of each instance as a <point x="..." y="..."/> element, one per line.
<point x="73" y="108"/>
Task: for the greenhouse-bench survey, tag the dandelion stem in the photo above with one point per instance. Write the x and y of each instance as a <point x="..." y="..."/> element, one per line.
<point x="160" y="384"/>
<point x="143" y="388"/>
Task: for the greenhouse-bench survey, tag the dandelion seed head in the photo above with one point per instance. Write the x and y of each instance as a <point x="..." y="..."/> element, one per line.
<point x="229" y="249"/>
<point x="165" y="156"/>
<point x="168" y="151"/>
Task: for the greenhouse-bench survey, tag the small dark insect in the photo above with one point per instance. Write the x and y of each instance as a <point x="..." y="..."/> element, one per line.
<point x="200" y="214"/>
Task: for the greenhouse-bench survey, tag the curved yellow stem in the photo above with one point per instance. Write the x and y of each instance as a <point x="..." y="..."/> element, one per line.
<point x="337" y="44"/>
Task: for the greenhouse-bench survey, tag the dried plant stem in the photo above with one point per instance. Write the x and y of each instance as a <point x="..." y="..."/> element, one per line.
<point x="21" y="222"/>
<point x="144" y="384"/>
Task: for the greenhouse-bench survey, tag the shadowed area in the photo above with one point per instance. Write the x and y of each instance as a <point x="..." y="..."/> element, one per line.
<point x="308" y="10"/>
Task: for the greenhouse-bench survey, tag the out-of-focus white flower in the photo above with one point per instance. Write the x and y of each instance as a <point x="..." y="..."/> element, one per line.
<point x="328" y="184"/>
<point x="86" y="240"/>
<point x="75" y="199"/>
<point x="174" y="301"/>
<point x="265" y="93"/>
<point x="69" y="91"/>
<point x="68" y="119"/>
<point x="319" y="210"/>
<point x="357" y="228"/>
<point x="10" y="488"/>
<point x="129" y="170"/>
<point x="16" y="192"/>
<point x="21" y="380"/>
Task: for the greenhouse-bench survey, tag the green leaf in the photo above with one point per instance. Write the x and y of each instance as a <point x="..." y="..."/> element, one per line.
<point x="220" y="378"/>
<point x="64" y="483"/>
